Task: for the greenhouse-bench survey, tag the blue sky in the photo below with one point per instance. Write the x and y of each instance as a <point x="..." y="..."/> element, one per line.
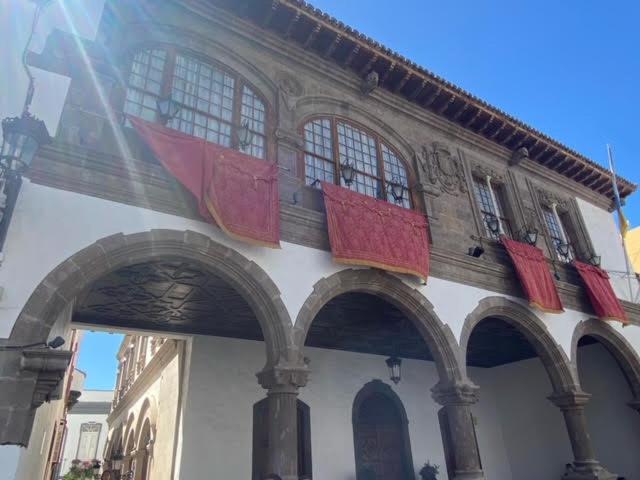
<point x="98" y="359"/>
<point x="569" y="68"/>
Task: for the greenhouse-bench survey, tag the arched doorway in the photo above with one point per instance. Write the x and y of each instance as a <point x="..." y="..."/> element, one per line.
<point x="381" y="434"/>
<point x="351" y="324"/>
<point x="517" y="365"/>
<point x="609" y="370"/>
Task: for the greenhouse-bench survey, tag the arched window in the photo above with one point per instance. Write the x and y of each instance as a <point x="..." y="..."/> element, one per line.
<point x="333" y="142"/>
<point x="214" y="102"/>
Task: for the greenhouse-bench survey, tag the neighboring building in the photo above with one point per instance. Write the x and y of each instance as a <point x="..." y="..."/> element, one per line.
<point x="42" y="457"/>
<point x="143" y="422"/>
<point x="87" y="428"/>
<point x="633" y="248"/>
<point x="490" y="385"/>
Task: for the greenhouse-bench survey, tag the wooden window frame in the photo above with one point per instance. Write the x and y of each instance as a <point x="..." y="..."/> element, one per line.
<point x="335" y="146"/>
<point x="499" y="202"/>
<point x="119" y="96"/>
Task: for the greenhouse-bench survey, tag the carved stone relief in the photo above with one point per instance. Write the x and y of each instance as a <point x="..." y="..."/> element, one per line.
<point x="290" y="89"/>
<point x="482" y="170"/>
<point x="548" y="198"/>
<point x="444" y="170"/>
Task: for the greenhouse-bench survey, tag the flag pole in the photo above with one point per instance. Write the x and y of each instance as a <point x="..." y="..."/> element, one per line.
<point x="624" y="225"/>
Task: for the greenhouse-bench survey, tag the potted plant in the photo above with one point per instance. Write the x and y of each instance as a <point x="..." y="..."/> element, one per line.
<point x="429" y="472"/>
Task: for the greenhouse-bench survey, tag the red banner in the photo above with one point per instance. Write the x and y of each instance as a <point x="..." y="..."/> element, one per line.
<point x="366" y="231"/>
<point x="237" y="191"/>
<point x="601" y="294"/>
<point x="534" y="275"/>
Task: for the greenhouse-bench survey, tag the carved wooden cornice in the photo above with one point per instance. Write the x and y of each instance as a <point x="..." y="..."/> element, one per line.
<point x="352" y="50"/>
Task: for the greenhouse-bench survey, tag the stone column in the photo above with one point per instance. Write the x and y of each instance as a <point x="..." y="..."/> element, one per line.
<point x="458" y="430"/>
<point x="585" y="466"/>
<point x="282" y="384"/>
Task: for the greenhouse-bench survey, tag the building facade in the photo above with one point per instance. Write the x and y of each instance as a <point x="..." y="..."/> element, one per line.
<point x="633" y="248"/>
<point x="86" y="429"/>
<point x="490" y="387"/>
<point x="144" y="417"/>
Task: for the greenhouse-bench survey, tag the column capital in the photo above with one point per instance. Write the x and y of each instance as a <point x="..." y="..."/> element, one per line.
<point x="455" y="393"/>
<point x="571" y="399"/>
<point x="283" y="378"/>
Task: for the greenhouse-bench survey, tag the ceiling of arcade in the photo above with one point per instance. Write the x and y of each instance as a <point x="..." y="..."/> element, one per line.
<point x="180" y="297"/>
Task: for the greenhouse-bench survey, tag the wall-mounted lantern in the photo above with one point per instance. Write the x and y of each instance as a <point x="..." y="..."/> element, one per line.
<point x="245" y="135"/>
<point x="395" y="371"/>
<point x="492" y="222"/>
<point x="167" y="108"/>
<point x="348" y="173"/>
<point x="397" y="189"/>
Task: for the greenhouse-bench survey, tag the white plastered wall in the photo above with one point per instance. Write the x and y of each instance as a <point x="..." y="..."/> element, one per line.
<point x="521" y="434"/>
<point x="614" y="427"/>
<point x="607" y="243"/>
<point x="50" y="225"/>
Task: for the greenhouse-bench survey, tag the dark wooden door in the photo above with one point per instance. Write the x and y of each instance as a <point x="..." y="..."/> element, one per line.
<point x="379" y="439"/>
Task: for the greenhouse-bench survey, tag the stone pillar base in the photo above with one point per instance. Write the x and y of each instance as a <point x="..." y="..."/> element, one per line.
<point x="589" y="471"/>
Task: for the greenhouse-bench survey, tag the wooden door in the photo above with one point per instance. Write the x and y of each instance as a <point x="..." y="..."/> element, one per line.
<point x="379" y="441"/>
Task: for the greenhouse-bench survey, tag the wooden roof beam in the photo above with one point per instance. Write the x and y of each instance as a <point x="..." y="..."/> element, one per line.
<point x="441" y="109"/>
<point x="460" y="111"/>
<point x="333" y="46"/>
<point x="472" y="118"/>
<point x="417" y="91"/>
<point x="352" y="54"/>
<point x="566" y="164"/>
<point x="403" y="81"/>
<point x="270" y="13"/>
<point x="484" y="127"/>
<point x="294" y="21"/>
<point x="388" y="71"/>
<point x="367" y="66"/>
<point x="312" y="36"/>
<point x="592" y="179"/>
<point x="431" y="97"/>
<point x="497" y="131"/>
<point x="541" y="151"/>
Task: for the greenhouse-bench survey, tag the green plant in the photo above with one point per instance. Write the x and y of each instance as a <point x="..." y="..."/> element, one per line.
<point x="80" y="470"/>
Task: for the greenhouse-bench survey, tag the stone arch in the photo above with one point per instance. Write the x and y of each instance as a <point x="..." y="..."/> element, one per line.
<point x="413" y="304"/>
<point x="78" y="272"/>
<point x="563" y="377"/>
<point x="148" y="413"/>
<point x="378" y="387"/>
<point x="130" y="428"/>
<point x="616" y="345"/>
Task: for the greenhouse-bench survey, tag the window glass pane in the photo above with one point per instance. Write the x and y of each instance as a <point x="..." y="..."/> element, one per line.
<point x="144" y="84"/>
<point x="357" y="148"/>
<point x="485" y="204"/>
<point x="395" y="173"/>
<point x="318" y="138"/>
<point x="556" y="231"/>
<point x="318" y="168"/>
<point x="206" y="97"/>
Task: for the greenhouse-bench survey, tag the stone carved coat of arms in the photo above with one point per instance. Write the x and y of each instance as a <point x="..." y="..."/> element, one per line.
<point x="444" y="170"/>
